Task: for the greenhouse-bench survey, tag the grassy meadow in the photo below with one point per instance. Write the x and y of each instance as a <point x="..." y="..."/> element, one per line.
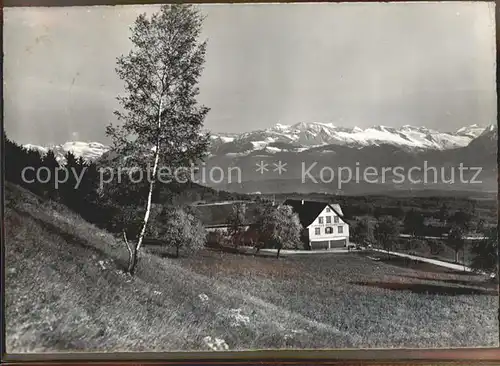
<point x="66" y="291"/>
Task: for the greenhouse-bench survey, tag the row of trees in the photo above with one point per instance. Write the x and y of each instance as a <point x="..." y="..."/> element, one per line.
<point x="78" y="189"/>
<point x="457" y="225"/>
<point x="180" y="227"/>
<point x="276" y="227"/>
<point x="385" y="233"/>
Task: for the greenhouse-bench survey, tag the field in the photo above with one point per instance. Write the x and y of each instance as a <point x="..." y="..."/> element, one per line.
<point x="66" y="291"/>
<point x="386" y="303"/>
<point x="446" y="254"/>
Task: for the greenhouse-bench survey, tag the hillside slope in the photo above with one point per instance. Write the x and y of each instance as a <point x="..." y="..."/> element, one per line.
<point x="65" y="291"/>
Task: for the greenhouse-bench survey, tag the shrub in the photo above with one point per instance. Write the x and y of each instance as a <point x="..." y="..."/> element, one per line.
<point x="436" y="247"/>
<point x="216" y="239"/>
<point x="419" y="246"/>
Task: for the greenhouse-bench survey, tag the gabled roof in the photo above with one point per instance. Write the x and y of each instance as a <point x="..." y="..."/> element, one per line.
<point x="217" y="214"/>
<point x="336" y="207"/>
<point x="309" y="210"/>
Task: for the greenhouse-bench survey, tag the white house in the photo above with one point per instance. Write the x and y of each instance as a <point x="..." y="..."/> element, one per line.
<point x="323" y="224"/>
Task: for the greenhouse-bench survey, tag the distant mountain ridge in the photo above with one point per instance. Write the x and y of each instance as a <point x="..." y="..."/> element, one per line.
<point x="330" y="146"/>
<point x="89" y="151"/>
<point x="302" y="136"/>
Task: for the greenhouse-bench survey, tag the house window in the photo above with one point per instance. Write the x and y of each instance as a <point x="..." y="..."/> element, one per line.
<point x="328" y="219"/>
<point x="336" y="219"/>
<point x="329" y="230"/>
<point x="341" y="229"/>
<point x="320" y="220"/>
<point x="317" y="231"/>
<point x="328" y="209"/>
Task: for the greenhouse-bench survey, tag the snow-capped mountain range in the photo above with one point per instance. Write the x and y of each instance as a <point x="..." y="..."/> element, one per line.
<point x="303" y="136"/>
<point x="326" y="145"/>
<point x="90" y="151"/>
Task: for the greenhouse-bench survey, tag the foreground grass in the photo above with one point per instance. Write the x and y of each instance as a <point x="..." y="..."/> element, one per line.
<point x="66" y="291"/>
<point x="385" y="303"/>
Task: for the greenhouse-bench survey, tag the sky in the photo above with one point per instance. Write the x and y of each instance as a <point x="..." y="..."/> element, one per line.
<point x="350" y="64"/>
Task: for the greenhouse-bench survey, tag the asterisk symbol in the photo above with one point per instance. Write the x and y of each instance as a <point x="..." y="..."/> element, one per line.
<point x="261" y="167"/>
<point x="280" y="167"/>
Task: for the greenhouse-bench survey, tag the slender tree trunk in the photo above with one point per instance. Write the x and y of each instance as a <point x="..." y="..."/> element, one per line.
<point x="463" y="257"/>
<point x="278" y="253"/>
<point x="130" y="252"/>
<point x="140" y="240"/>
<point x="133" y="263"/>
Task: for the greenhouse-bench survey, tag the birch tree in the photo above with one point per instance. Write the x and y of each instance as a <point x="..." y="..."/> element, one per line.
<point x="160" y="117"/>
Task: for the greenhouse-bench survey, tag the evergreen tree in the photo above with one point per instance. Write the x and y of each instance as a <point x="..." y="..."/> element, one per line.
<point x="69" y="190"/>
<point x="48" y="174"/>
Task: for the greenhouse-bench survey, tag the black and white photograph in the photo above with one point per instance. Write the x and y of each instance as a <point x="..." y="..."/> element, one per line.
<point x="242" y="177"/>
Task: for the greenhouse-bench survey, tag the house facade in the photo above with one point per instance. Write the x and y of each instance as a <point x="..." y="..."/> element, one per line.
<point x="323" y="224"/>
